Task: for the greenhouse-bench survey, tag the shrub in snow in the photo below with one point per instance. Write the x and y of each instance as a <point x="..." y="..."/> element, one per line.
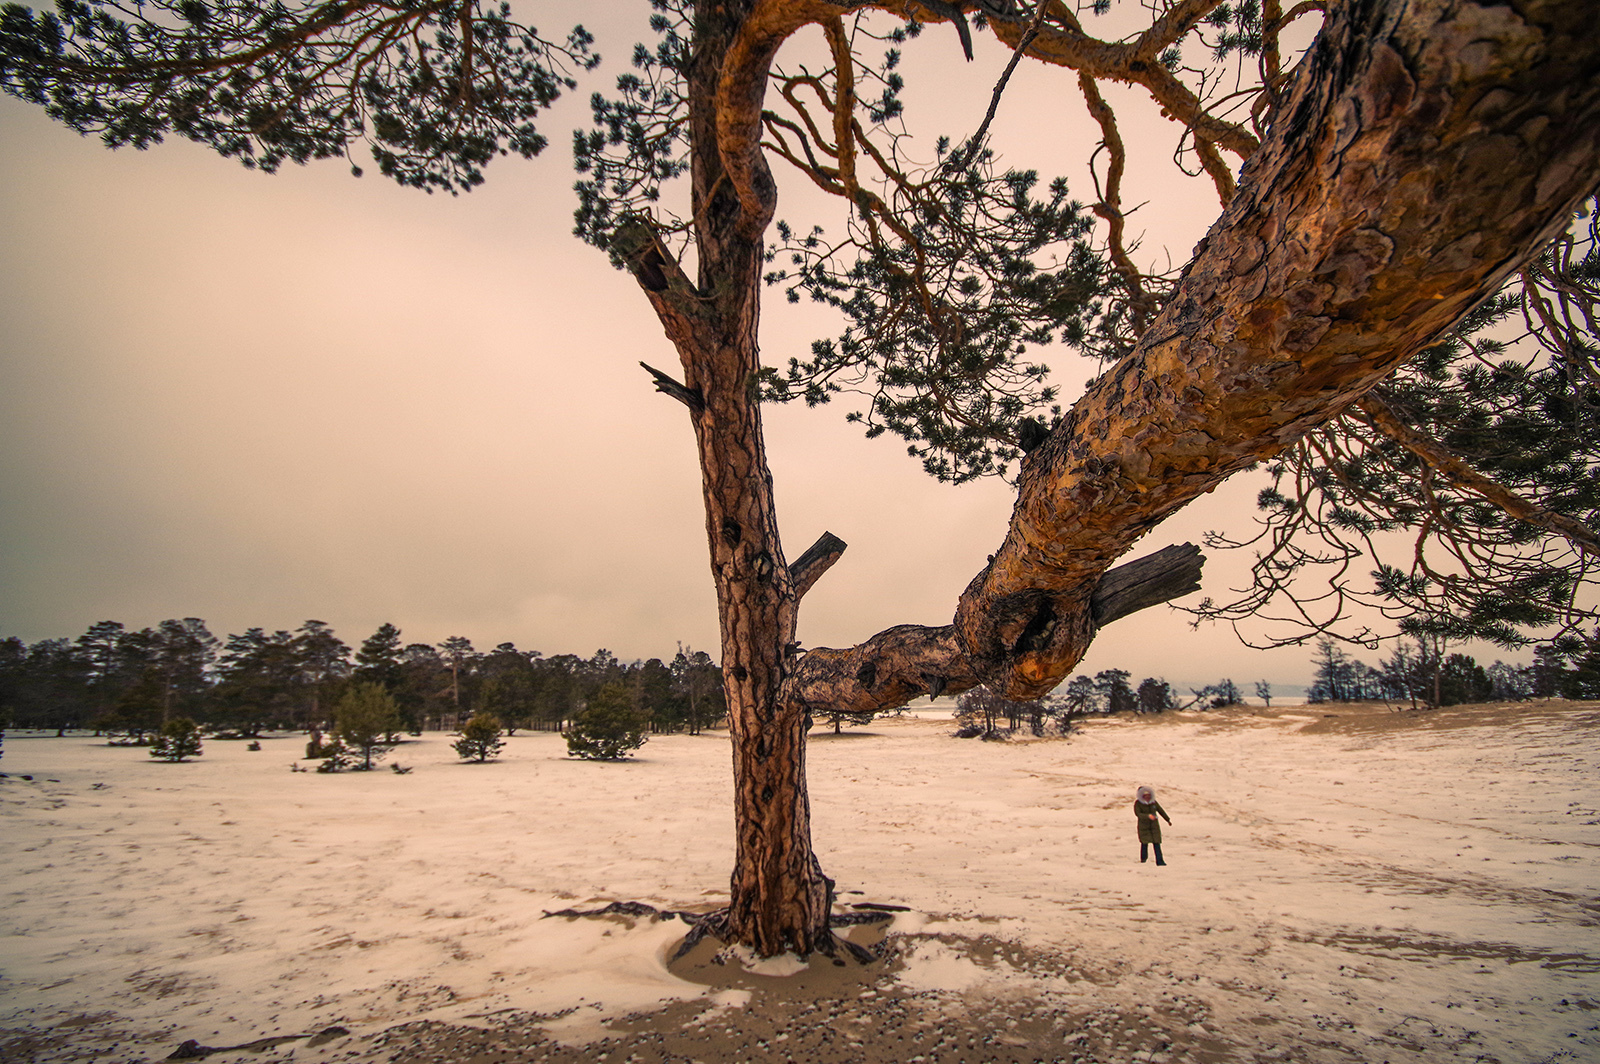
<point x="607" y="728"/>
<point x="480" y="738"/>
<point x="336" y="757"/>
<point x="179" y="739"/>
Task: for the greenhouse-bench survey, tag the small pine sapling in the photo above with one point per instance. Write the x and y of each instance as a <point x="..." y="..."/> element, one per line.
<point x="480" y="738"/>
<point x="179" y="739"/>
<point x="607" y="728"/>
<point x="366" y="715"/>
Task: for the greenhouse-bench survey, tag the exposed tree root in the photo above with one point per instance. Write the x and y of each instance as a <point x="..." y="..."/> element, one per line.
<point x="715" y="924"/>
<point x="193" y="1050"/>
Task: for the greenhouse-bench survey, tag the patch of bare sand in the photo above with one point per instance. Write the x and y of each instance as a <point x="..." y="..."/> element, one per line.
<point x="1369" y="718"/>
<point x="1373" y="718"/>
<point x="841" y="1012"/>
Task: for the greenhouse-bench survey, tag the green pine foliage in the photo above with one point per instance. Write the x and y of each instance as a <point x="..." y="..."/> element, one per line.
<point x="943" y="320"/>
<point x="480" y="738"/>
<point x="607" y="728"/>
<point x="1153" y="695"/>
<point x="1569" y="667"/>
<point x="840" y="718"/>
<point x="126" y="681"/>
<point x="958" y="272"/>
<point x="435" y="89"/>
<point x="178" y="740"/>
<point x="979" y="712"/>
<point x="951" y="271"/>
<point x="365" y="716"/>
<point x="336" y="756"/>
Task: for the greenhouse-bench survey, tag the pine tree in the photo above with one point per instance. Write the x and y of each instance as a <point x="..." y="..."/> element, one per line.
<point x="1114" y="692"/>
<point x="1323" y="276"/>
<point x="608" y="727"/>
<point x="365" y="716"/>
<point x="1083" y="696"/>
<point x="257" y="682"/>
<point x="459" y="657"/>
<point x="178" y="740"/>
<point x="378" y="660"/>
<point x="480" y="738"/>
<point x="322" y="661"/>
<point x="1154" y="696"/>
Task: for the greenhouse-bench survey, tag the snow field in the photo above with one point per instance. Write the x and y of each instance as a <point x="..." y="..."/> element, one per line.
<point x="1404" y="887"/>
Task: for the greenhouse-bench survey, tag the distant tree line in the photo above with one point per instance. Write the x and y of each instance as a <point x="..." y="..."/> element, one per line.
<point x="980" y="712"/>
<point x="1423" y="671"/>
<point x="133" y="681"/>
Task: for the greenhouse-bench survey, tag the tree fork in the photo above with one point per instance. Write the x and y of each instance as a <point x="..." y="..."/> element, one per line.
<point x="910" y="660"/>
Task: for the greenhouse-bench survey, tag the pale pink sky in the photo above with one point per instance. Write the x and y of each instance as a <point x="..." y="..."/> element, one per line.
<point x="261" y="399"/>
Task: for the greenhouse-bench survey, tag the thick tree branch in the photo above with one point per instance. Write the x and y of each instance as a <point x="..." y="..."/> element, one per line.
<point x="741" y="88"/>
<point x="1217" y="168"/>
<point x="1109" y="207"/>
<point x="1382" y="417"/>
<point x="910" y="660"/>
<point x="1135" y="62"/>
<point x="1355" y="240"/>
<point x="1160" y="577"/>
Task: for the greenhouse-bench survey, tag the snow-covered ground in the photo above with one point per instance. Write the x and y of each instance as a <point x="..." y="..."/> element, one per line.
<point x="1368" y="886"/>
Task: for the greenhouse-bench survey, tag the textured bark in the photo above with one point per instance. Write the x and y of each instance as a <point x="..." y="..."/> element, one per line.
<point x="911" y="660"/>
<point x="780" y="900"/>
<point x="818" y="559"/>
<point x="1425" y="151"/>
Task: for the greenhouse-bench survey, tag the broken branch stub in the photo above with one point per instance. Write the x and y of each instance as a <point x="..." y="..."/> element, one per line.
<point x="818" y="559"/>
<point x="689" y="397"/>
<point x="1167" y="574"/>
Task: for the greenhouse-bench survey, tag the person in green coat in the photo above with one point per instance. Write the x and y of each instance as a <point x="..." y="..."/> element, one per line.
<point x="1145" y="808"/>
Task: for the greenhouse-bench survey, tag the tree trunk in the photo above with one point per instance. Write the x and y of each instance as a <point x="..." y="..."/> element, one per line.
<point x="780" y="900"/>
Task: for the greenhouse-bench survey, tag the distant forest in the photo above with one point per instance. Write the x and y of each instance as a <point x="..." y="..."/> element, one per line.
<point x="1423" y="672"/>
<point x="131" y="681"/>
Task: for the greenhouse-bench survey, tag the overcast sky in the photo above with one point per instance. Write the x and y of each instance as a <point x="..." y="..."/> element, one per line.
<point x="259" y="400"/>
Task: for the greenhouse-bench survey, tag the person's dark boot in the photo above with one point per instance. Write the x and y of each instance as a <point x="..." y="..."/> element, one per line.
<point x="1144" y="854"/>
<point x="1159" y="859"/>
